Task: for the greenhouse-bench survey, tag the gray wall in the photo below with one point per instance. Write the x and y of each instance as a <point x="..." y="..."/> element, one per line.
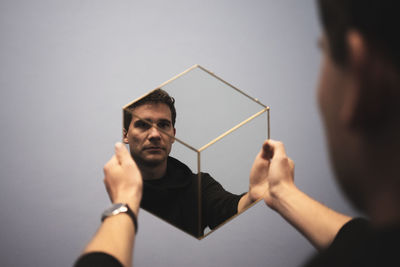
<point x="68" y="67"/>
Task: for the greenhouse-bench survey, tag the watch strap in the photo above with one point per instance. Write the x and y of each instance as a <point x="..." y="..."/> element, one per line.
<point x="123" y="208"/>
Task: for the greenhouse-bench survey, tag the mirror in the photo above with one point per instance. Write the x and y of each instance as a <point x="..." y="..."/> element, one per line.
<point x="195" y="169"/>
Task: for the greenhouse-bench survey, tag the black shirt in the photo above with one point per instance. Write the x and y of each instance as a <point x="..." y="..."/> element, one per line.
<point x="175" y="198"/>
<point x="357" y="244"/>
<point x="97" y="259"/>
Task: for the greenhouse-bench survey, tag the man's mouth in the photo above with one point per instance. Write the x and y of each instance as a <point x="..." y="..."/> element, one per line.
<point x="154" y="148"/>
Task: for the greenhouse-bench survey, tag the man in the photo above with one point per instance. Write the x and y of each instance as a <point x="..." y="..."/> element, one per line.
<point x="170" y="188"/>
<point x="359" y="98"/>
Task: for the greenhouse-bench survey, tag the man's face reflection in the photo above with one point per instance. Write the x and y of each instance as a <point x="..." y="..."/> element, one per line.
<point x="148" y="145"/>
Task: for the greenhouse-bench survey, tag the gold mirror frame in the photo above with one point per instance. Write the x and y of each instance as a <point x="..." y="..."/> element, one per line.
<point x="260" y="111"/>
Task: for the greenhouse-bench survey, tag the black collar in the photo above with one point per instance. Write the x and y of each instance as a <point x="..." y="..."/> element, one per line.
<point x="177" y="176"/>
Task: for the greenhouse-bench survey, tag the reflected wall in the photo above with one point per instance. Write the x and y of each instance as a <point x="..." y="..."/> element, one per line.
<point x="218" y="132"/>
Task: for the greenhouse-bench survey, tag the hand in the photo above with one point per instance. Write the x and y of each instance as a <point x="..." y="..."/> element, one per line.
<point x="123" y="179"/>
<point x="272" y="169"/>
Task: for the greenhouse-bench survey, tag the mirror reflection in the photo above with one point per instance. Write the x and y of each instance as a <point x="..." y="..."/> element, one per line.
<point x="194" y="139"/>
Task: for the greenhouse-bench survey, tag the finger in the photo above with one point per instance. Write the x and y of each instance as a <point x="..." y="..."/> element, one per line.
<point x="122" y="154"/>
<point x="267" y="151"/>
<point x="108" y="189"/>
<point x="109" y="165"/>
<point x="275" y="148"/>
<point x="291" y="163"/>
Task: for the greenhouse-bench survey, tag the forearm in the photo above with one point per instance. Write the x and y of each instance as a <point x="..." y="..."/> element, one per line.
<point x="123" y="182"/>
<point x="318" y="223"/>
<point x="244" y="202"/>
<point x="115" y="237"/>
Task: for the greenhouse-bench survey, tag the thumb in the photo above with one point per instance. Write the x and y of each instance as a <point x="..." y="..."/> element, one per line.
<point x="267" y="151"/>
<point x="122" y="154"/>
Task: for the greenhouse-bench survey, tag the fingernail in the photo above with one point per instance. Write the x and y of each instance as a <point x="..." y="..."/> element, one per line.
<point x="118" y="145"/>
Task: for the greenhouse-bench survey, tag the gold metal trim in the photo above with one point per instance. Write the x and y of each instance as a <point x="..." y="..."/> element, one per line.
<point x="199" y="197"/>
<point x="234" y="128"/>
<point x="234" y="87"/>
<point x="230" y="219"/>
<point x="269" y="128"/>
<point x="177" y="76"/>
<point x="163" y="84"/>
<point x="198" y="151"/>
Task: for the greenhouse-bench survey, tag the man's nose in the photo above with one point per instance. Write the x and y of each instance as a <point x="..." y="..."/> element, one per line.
<point x="154" y="133"/>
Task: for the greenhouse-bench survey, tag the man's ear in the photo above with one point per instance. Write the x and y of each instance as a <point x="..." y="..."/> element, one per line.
<point x="368" y="100"/>
<point x="174" y="135"/>
<point x="352" y="108"/>
<point x="125" y="136"/>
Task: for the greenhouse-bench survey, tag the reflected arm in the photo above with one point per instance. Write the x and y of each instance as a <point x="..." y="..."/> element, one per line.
<point x="244" y="202"/>
<point x="218" y="204"/>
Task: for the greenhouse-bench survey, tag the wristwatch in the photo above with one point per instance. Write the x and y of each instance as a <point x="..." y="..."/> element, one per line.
<point x="118" y="208"/>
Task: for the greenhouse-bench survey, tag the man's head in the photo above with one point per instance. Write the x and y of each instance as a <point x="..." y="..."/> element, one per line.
<point x="149" y="128"/>
<point x="156" y="96"/>
<point x="361" y="41"/>
<point x="359" y="93"/>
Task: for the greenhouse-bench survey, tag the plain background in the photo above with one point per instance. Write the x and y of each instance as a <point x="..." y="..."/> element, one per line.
<point x="68" y="67"/>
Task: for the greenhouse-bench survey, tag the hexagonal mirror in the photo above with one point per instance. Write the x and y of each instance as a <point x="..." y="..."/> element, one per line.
<point x="194" y="139"/>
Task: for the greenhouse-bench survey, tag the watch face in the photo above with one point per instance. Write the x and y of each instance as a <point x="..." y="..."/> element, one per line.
<point x="114" y="210"/>
<point x="120" y="208"/>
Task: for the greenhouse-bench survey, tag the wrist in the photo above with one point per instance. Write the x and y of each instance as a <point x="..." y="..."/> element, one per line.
<point x="280" y="194"/>
<point x="133" y="200"/>
<point x="121" y="208"/>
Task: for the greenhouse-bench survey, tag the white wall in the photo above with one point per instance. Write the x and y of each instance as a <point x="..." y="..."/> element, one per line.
<point x="68" y="67"/>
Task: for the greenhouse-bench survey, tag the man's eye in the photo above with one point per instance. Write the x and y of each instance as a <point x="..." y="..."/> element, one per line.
<point x="142" y="125"/>
<point x="164" y="125"/>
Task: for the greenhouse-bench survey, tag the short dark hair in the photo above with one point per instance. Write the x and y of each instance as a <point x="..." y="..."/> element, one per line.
<point x="376" y="20"/>
<point x="154" y="97"/>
